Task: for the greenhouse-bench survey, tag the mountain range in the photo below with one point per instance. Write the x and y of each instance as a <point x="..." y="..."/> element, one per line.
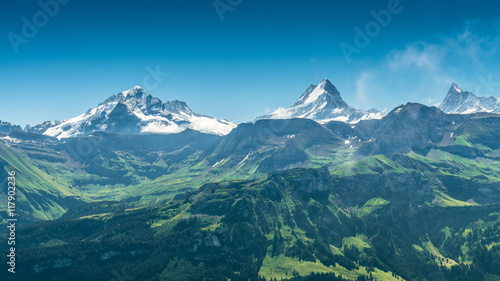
<point x="134" y="112"/>
<point x="6" y="127"/>
<point x="462" y="102"/>
<point x="323" y="103"/>
<point x="413" y="194"/>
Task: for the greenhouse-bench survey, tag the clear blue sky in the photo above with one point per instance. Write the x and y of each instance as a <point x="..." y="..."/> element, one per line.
<point x="261" y="56"/>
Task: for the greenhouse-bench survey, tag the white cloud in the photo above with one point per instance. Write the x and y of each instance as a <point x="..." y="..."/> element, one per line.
<point x="423" y="71"/>
<point x="362" y="83"/>
<point x="420" y="55"/>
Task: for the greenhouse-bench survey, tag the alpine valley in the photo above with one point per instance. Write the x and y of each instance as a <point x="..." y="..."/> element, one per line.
<point x="140" y="189"/>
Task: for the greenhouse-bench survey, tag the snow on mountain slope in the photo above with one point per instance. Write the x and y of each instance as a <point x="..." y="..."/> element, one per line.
<point x="134" y="112"/>
<point x="323" y="103"/>
<point x="458" y="101"/>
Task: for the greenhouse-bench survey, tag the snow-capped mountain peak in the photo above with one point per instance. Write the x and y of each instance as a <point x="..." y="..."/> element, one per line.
<point x="134" y="112"/>
<point x="132" y="92"/>
<point x="454" y="88"/>
<point x="458" y="101"/>
<point x="325" y="90"/>
<point x="323" y="103"/>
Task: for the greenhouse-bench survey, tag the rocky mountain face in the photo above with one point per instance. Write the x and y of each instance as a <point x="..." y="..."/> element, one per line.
<point x="323" y="103"/>
<point x="411" y="127"/>
<point x="7" y="128"/>
<point x="458" y="101"/>
<point x="412" y="196"/>
<point x="269" y="145"/>
<point x="134" y="112"/>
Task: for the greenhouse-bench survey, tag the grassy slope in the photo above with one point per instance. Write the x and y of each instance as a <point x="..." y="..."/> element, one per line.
<point x="39" y="195"/>
<point x="293" y="226"/>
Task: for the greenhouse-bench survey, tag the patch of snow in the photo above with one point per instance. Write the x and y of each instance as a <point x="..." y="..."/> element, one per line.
<point x="397" y="111"/>
<point x="148" y="118"/>
<point x="211" y="125"/>
<point x="457" y="88"/>
<point x="281" y="113"/>
<point x="246" y="157"/>
<point x="161" y="128"/>
<point x="315" y="95"/>
<point x="216" y="164"/>
<point x="9" y="139"/>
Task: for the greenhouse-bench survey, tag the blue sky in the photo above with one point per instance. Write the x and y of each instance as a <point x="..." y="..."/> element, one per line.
<point x="241" y="62"/>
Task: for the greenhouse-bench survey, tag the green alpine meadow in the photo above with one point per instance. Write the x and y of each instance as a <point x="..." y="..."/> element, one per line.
<point x="414" y="195"/>
<point x="249" y="140"/>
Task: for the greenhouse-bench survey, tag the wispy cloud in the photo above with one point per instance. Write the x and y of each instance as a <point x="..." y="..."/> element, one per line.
<point x="417" y="55"/>
<point x="361" y="87"/>
<point x="423" y="71"/>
